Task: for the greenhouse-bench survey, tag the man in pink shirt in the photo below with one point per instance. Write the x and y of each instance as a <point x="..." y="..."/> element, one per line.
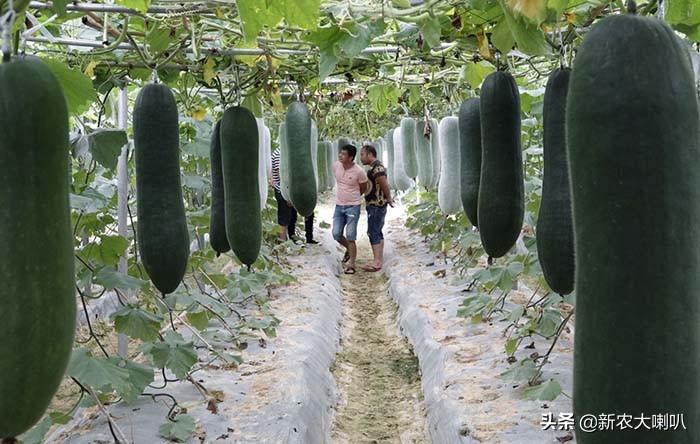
<point x="351" y="184"/>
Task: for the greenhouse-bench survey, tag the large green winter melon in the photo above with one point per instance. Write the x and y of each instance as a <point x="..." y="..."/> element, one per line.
<point x="555" y="229"/>
<point x="239" y="155"/>
<point x="408" y="147"/>
<point x="264" y="153"/>
<point x="390" y="159"/>
<point x="632" y="140"/>
<point x="217" y="220"/>
<point x="284" y="162"/>
<point x="424" y="155"/>
<point x="322" y="167"/>
<point x="470" y="156"/>
<point x="448" y="189"/>
<point x="501" y="189"/>
<point x="302" y="180"/>
<point x="402" y="181"/>
<point x="435" y="153"/>
<point x="331" y="158"/>
<point x="163" y="239"/>
<point x="37" y="299"/>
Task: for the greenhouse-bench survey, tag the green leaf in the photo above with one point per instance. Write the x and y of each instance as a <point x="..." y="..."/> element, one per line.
<point x="106" y="146"/>
<point x="516" y="314"/>
<point x="173" y="353"/>
<point x="139" y="5"/>
<point x="255" y="14"/>
<point x="158" y="39"/>
<point x="511" y="346"/>
<point x="686" y="12"/>
<point x="112" y="248"/>
<point x="431" y="30"/>
<point x="528" y="36"/>
<point x="88" y="201"/>
<point x="137" y="323"/>
<point x="179" y="430"/>
<point x="252" y="103"/>
<point x="502" y="38"/>
<point x="77" y="87"/>
<point x="199" y="319"/>
<point x="140" y="376"/>
<point x="302" y="13"/>
<point x="37" y="433"/>
<point x="549" y="323"/>
<point x="520" y="371"/>
<point x="101" y="374"/>
<point x="558" y="6"/>
<point x="381" y="96"/>
<point x="195" y="182"/>
<point x="59" y="7"/>
<point x="546" y="391"/>
<point x="111" y="279"/>
<point x="475" y="73"/>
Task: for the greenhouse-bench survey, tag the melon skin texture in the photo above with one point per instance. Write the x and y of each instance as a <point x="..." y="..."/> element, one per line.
<point x="407" y="131"/>
<point x="448" y="190"/>
<point x="555" y="225"/>
<point x="424" y="155"/>
<point x="501" y="203"/>
<point x="401" y="180"/>
<point x="632" y="128"/>
<point x="239" y="160"/>
<point x="470" y="156"/>
<point x="163" y="237"/>
<point x="217" y="219"/>
<point x="302" y="174"/>
<point x="37" y="299"/>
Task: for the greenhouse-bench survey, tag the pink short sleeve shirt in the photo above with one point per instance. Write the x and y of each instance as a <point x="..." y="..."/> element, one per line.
<point x="348" y="184"/>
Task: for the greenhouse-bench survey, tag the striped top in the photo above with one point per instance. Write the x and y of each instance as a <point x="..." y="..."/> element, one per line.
<point x="276" y="169"/>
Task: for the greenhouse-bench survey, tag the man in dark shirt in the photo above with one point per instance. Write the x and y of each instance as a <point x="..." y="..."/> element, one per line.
<point x="376" y="199"/>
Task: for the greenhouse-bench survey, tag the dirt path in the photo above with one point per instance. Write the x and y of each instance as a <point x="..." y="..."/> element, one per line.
<point x="376" y="371"/>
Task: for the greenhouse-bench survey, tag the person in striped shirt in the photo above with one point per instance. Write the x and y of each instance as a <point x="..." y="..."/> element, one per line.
<point x="286" y="214"/>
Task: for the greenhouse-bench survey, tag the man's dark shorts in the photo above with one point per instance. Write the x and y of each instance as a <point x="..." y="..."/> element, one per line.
<point x="375" y="223"/>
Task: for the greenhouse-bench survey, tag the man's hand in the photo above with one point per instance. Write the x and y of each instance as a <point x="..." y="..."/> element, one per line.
<point x="390" y="202"/>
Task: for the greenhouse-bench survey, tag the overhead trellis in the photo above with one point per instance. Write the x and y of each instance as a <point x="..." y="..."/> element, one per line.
<point x="275" y="48"/>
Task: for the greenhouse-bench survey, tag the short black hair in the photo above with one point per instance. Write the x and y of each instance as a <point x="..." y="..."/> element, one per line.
<point x="351" y="150"/>
<point x="370" y="149"/>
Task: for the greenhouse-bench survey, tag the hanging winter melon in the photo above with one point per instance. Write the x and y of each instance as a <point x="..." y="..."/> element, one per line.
<point x="500" y="205"/>
<point x="632" y="126"/>
<point x="391" y="178"/>
<point x="331" y="158"/>
<point x="408" y="147"/>
<point x="284" y="162"/>
<point x="424" y="154"/>
<point x="470" y="157"/>
<point x="402" y="181"/>
<point x="302" y="181"/>
<point x="263" y="154"/>
<point x="239" y="160"/>
<point x="555" y="230"/>
<point x="448" y="189"/>
<point x="322" y="166"/>
<point x="217" y="219"/>
<point x="435" y="153"/>
<point x="163" y="238"/>
<point x="37" y="300"/>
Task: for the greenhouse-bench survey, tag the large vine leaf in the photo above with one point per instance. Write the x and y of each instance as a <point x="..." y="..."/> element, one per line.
<point x="527" y="35"/>
<point x="137" y="323"/>
<point x="111" y="279"/>
<point x="546" y="391"/>
<point x="685" y="12"/>
<point x="173" y="353"/>
<point x="140" y="376"/>
<point x="179" y="430"/>
<point x="106" y="146"/>
<point x="77" y="87"/>
<point x="99" y="373"/>
<point x="381" y="96"/>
